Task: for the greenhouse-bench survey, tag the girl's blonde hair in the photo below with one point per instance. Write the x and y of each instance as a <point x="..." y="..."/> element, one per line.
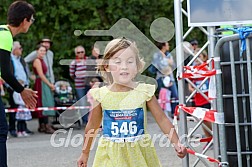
<point x="111" y="49"/>
<point x="204" y="54"/>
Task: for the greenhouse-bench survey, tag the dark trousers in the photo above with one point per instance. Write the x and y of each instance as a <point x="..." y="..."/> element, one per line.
<point x="80" y="93"/>
<point x="12" y="121"/>
<point x="12" y="116"/>
<point x="3" y="136"/>
<point x="21" y="125"/>
<point x="43" y="120"/>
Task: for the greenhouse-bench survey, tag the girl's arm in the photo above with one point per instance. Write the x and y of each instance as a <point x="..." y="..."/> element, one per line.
<point x="38" y="66"/>
<point x="166" y="126"/>
<point x="91" y="130"/>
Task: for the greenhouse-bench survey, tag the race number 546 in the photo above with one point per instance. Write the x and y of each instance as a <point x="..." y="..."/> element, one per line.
<point x="126" y="128"/>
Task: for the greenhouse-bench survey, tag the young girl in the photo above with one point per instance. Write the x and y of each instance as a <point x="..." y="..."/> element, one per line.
<point x="121" y="107"/>
<point x="199" y="100"/>
<point x="21" y="116"/>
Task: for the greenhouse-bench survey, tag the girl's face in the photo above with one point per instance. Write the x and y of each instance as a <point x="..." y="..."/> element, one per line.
<point x="201" y="57"/>
<point x="123" y="66"/>
<point x="41" y="52"/>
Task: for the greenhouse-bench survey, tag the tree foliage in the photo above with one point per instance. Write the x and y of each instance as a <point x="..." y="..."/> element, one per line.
<point x="58" y="20"/>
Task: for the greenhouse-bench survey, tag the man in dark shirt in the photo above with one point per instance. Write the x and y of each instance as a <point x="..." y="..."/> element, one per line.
<point x="19" y="19"/>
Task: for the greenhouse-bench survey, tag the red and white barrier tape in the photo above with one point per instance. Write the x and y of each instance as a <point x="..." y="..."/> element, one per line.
<point x="173" y="100"/>
<point x="204" y="156"/>
<point x="198" y="71"/>
<point x="198" y="74"/>
<point x="46" y="108"/>
<point x="202" y="113"/>
<point x="207" y="139"/>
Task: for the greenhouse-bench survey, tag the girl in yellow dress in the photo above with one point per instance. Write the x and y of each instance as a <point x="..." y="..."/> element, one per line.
<point x="121" y="107"/>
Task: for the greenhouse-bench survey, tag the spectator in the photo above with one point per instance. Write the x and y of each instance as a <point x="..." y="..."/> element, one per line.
<point x="18" y="68"/>
<point x="63" y="92"/>
<point x="163" y="60"/>
<point x="92" y="62"/>
<point x="199" y="100"/>
<point x="194" y="43"/>
<point x="21" y="116"/>
<point x="48" y="58"/>
<point x="44" y="88"/>
<point x="173" y="86"/>
<point x="78" y="72"/>
<point x="19" y="19"/>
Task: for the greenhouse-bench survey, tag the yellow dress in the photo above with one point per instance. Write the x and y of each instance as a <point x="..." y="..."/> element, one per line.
<point x="131" y="107"/>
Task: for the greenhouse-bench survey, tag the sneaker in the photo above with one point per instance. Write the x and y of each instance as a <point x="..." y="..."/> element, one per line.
<point x="29" y="132"/>
<point x="19" y="134"/>
<point x="25" y="134"/>
<point x="13" y="133"/>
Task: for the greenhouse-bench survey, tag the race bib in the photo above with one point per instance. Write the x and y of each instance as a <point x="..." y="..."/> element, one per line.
<point x="204" y="87"/>
<point x="123" y="123"/>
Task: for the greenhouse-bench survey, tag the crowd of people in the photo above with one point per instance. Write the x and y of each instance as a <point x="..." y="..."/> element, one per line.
<point x="82" y="70"/>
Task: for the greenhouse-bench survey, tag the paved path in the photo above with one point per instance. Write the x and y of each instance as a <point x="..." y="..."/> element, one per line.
<point x="37" y="150"/>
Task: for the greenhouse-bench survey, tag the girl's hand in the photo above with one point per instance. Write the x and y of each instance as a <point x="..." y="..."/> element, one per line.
<point x="82" y="161"/>
<point x="181" y="150"/>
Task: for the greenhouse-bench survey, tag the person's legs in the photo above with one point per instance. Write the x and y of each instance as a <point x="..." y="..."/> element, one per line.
<point x="45" y="124"/>
<point x="208" y="124"/>
<point x="174" y="95"/>
<point x="3" y="136"/>
<point x="41" y="124"/>
<point x="85" y="117"/>
<point x="19" y="126"/>
<point x="12" y="124"/>
<point x="80" y="93"/>
<point x="12" y="115"/>
<point x="80" y="96"/>
<point x="12" y="121"/>
<point x="27" y="130"/>
<point x="160" y="84"/>
<point x="23" y="126"/>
